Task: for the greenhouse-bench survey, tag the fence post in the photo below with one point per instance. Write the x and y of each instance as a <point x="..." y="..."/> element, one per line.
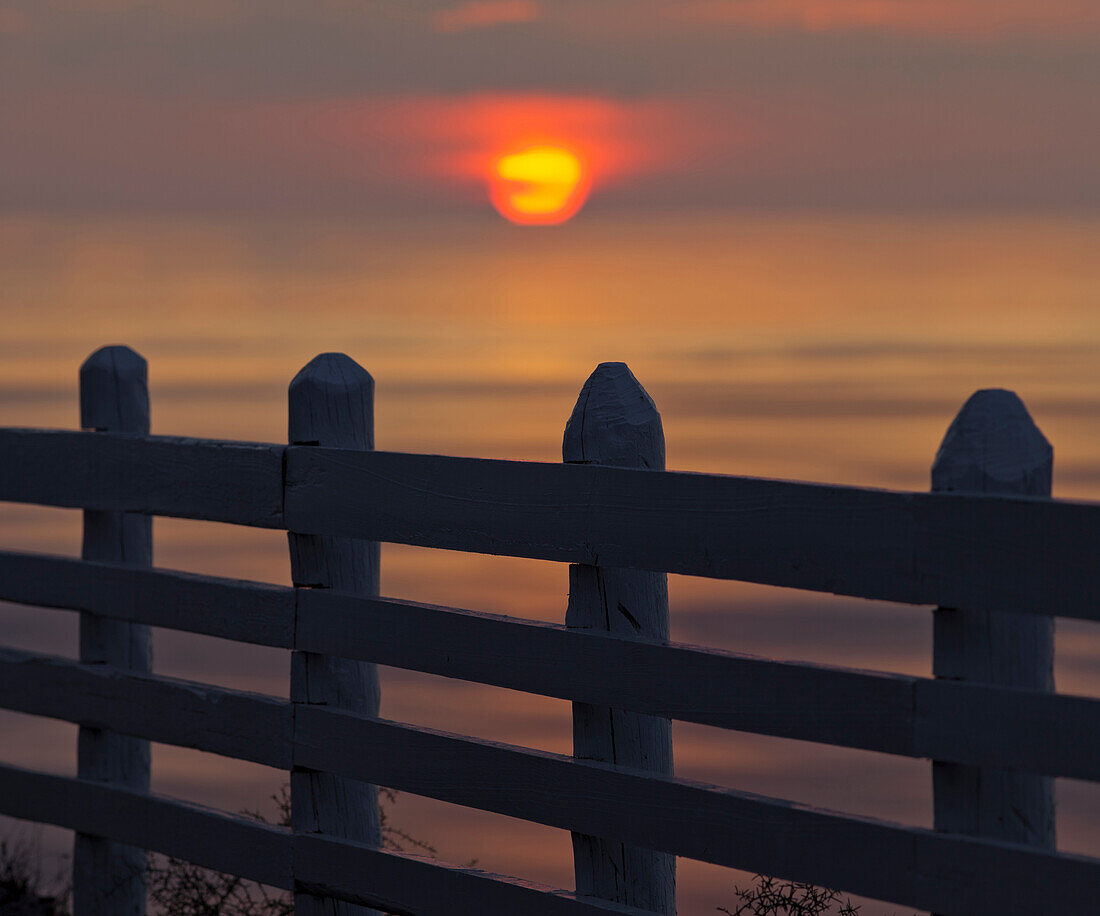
<point x="108" y="877"/>
<point x="616" y="423"/>
<point x="994" y="447"/>
<point x="332" y="405"/>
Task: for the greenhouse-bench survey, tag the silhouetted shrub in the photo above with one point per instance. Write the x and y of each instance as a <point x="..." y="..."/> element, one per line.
<point x="23" y="890"/>
<point x="181" y="888"/>
<point x="772" y="897"/>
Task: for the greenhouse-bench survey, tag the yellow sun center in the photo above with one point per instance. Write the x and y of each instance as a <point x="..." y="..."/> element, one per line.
<point x="539" y="185"/>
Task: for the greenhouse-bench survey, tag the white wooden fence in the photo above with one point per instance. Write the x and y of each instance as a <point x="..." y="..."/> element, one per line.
<point x="1003" y="555"/>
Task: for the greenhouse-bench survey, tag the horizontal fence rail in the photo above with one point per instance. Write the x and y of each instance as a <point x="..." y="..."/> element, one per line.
<point x="910" y="866"/>
<point x="988" y="548"/>
<point x="238" y="482"/>
<point x="399" y="882"/>
<point x="889" y="713"/>
<point x="875" y="858"/>
<point x="1001" y="553"/>
<point x="979" y="552"/>
<point x="201" y="835"/>
<point x="233" y="723"/>
<point x="251" y="612"/>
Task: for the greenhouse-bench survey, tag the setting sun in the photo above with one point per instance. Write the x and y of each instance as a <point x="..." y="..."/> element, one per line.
<point x="539" y="186"/>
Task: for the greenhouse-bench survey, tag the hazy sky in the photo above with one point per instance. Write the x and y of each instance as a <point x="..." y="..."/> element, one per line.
<point x="392" y="107"/>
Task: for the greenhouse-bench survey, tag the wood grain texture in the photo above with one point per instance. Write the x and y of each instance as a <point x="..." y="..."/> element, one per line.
<point x="708" y="686"/>
<point x="616" y="423"/>
<point x="332" y="405"/>
<point x="107" y="876"/>
<point x="984" y="552"/>
<point x="994" y="447"/>
<point x="114" y="392"/>
<point x="236" y="482"/>
<point x="1048" y="733"/>
<point x="260" y="852"/>
<point x="401" y="883"/>
<point x="210" y="838"/>
<point x="1006" y="554"/>
<point x="252" y="612"/>
<point x="954" y="875"/>
<point x="987" y="540"/>
<point x="895" y="714"/>
<point x="889" y="713"/>
<point x="233" y="723"/>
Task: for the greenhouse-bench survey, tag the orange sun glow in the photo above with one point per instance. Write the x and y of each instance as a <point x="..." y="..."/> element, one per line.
<point x="539" y="185"/>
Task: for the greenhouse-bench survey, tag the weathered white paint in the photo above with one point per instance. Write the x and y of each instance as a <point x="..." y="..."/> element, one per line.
<point x="994" y="447"/>
<point x="332" y="405"/>
<point x="237" y="845"/>
<point x="914" y="867"/>
<point x="1005" y="727"/>
<point x="260" y="852"/>
<point x="983" y="552"/>
<point x="402" y="883"/>
<point x="996" y="553"/>
<point x="252" y="612"/>
<point x="238" y="482"/>
<point x="891" y="713"/>
<point x="615" y="423"/>
<point x="955" y="875"/>
<point x="109" y="877"/>
<point x="709" y="686"/>
<point x="233" y="723"/>
<point x="949" y="720"/>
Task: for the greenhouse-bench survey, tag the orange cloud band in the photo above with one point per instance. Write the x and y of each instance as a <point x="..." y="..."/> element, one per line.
<point x="463" y="137"/>
<point x="969" y="18"/>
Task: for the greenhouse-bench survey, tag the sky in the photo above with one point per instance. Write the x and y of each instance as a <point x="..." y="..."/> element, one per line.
<point x="833" y="349"/>
<point x="353" y="107"/>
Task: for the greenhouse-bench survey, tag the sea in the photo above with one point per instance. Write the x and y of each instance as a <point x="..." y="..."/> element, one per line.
<point x="817" y="347"/>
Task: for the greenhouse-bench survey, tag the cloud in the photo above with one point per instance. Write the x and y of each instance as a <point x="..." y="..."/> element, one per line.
<point x="618" y="139"/>
<point x="483" y="14"/>
<point x="106" y="150"/>
<point x="854" y="104"/>
<point x="991" y="145"/>
<point x="12" y="21"/>
<point x="614" y="47"/>
<point x="969" y="18"/>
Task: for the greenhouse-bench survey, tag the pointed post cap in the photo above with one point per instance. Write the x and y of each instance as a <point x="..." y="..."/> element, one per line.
<point x="332" y="404"/>
<point x="114" y="391"/>
<point x="993" y="446"/>
<point x="614" y="422"/>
